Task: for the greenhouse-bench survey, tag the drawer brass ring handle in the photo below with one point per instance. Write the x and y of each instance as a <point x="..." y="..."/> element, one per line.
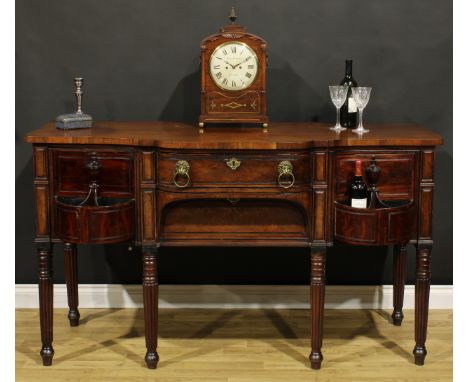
<point x="286" y="177"/>
<point x="182" y="169"/>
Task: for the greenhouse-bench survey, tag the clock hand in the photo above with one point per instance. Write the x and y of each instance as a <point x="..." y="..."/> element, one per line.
<point x="229" y="64"/>
<point x="248" y="58"/>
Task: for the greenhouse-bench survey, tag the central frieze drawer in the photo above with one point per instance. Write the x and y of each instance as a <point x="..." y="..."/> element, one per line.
<point x="233" y="169"/>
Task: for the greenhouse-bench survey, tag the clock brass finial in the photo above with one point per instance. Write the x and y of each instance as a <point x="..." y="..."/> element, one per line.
<point x="232" y="16"/>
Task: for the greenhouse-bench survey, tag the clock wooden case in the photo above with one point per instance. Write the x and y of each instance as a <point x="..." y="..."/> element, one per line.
<point x="233" y="77"/>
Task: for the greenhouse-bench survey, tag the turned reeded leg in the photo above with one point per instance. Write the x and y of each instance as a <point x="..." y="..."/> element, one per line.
<point x="150" y="301"/>
<point x="399" y="276"/>
<point x="317" y="301"/>
<point x="423" y="281"/>
<point x="46" y="301"/>
<point x="71" y="278"/>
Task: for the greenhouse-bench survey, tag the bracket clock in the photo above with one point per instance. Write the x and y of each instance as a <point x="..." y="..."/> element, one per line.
<point x="233" y="77"/>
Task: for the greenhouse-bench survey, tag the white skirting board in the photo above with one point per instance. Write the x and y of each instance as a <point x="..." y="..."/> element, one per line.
<point x="234" y="296"/>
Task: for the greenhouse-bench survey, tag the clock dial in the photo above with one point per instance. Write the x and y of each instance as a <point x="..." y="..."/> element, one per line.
<point x="233" y="66"/>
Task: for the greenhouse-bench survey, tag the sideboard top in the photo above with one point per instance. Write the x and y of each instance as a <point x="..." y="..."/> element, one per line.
<point x="281" y="135"/>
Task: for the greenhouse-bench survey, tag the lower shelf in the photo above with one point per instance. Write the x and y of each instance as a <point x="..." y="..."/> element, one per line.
<point x="112" y="221"/>
<point x="379" y="226"/>
<point x="234" y="222"/>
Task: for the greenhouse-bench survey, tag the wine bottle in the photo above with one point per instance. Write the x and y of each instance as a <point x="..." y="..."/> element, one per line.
<point x="358" y="188"/>
<point x="348" y="112"/>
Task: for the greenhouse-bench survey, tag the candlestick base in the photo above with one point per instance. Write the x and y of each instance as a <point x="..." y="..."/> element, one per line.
<point x="73" y="121"/>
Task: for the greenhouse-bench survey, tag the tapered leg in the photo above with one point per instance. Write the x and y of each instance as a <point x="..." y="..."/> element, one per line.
<point x="399" y="276"/>
<point x="317" y="301"/>
<point x="71" y="278"/>
<point x="423" y="281"/>
<point x="46" y="303"/>
<point x="150" y="301"/>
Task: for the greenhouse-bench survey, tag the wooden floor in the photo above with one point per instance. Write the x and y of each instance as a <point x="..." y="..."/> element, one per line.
<point x="233" y="346"/>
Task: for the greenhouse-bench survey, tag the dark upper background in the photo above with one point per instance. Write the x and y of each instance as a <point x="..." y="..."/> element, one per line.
<point x="140" y="61"/>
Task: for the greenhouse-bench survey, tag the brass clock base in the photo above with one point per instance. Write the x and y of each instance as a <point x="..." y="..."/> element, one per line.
<point x="201" y="127"/>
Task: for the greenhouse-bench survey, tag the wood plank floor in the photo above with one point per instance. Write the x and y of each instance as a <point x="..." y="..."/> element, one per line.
<point x="233" y="346"/>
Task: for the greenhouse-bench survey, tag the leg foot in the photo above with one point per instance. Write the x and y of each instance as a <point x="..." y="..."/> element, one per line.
<point x="152" y="359"/>
<point x="47" y="353"/>
<point x="419" y="355"/>
<point x="74" y="317"/>
<point x="316" y="360"/>
<point x="397" y="317"/>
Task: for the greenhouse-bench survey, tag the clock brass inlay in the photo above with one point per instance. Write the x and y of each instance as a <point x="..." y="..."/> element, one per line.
<point x="233" y="105"/>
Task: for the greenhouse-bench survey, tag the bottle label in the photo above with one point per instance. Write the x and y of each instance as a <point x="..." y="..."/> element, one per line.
<point x="352" y="108"/>
<point x="359" y="203"/>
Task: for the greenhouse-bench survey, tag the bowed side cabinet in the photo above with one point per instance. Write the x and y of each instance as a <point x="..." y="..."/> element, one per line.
<point x="162" y="184"/>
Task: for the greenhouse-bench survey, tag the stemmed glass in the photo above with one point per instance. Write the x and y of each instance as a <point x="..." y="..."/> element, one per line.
<point x="361" y="96"/>
<point x="338" y="95"/>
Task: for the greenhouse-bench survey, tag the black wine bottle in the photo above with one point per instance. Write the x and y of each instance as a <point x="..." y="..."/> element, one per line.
<point x="348" y="112"/>
<point x="358" y="188"/>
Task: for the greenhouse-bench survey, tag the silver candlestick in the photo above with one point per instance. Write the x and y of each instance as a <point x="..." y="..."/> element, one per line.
<point x="77" y="120"/>
<point x="78" y="93"/>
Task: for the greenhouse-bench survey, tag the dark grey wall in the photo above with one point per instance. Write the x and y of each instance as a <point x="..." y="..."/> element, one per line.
<point x="140" y="61"/>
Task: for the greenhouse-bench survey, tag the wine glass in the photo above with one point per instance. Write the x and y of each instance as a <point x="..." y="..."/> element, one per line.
<point x="361" y="96"/>
<point x="338" y="95"/>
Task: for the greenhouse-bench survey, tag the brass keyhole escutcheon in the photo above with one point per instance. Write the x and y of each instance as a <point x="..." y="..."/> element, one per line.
<point x="233" y="163"/>
<point x="93" y="165"/>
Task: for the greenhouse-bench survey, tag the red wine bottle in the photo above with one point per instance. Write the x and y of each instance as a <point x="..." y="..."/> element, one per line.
<point x="348" y="112"/>
<point x="358" y="188"/>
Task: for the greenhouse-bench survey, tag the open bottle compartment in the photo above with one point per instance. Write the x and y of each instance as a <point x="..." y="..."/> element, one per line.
<point x="373" y="226"/>
<point x="94" y="219"/>
<point x="382" y="223"/>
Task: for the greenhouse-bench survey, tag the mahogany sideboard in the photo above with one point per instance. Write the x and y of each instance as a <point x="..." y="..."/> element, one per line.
<point x="163" y="184"/>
